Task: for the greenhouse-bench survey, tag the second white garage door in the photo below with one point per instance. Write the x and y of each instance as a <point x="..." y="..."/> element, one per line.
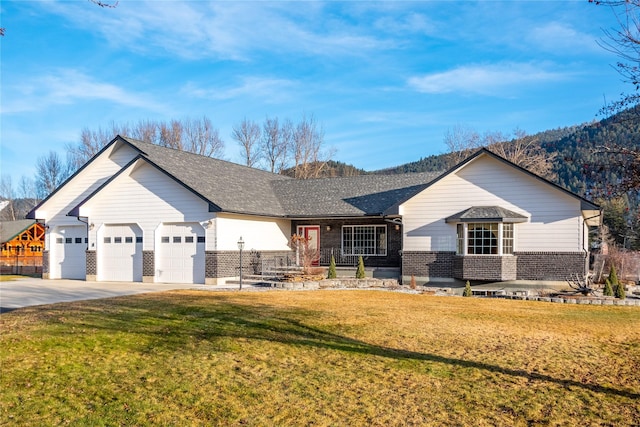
<point x="120" y="254"/>
<point x="180" y="253"/>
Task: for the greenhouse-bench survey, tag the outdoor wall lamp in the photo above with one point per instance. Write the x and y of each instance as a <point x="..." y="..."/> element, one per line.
<point x="328" y="228"/>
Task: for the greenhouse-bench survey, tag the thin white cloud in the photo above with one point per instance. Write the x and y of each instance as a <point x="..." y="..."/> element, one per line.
<point x="220" y="30"/>
<point x="561" y="38"/>
<point x="266" y="89"/>
<point x="494" y="79"/>
<point x="68" y="86"/>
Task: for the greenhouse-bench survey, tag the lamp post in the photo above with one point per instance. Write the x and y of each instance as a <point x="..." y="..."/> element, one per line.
<point x="240" y="248"/>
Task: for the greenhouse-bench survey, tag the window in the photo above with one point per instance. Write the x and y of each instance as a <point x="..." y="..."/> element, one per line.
<point x="59" y="240"/>
<point x="177" y="239"/>
<point x="188" y="239"/>
<point x="200" y="239"/>
<point x="117" y="240"/>
<point x="78" y="239"/>
<point x="364" y="240"/>
<point x="507" y="239"/>
<point x="165" y="239"/>
<point x="138" y="239"/>
<point x="128" y="239"/>
<point x="482" y="239"/>
<point x="68" y="240"/>
<point x="485" y="238"/>
<point x="107" y="239"/>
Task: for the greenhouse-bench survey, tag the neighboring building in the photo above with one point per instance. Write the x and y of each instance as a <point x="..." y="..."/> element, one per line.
<point x="140" y="212"/>
<point x="22" y="246"/>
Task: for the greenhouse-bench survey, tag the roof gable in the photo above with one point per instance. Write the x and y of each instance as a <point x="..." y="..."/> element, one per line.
<point x="10" y="229"/>
<point x="76" y="211"/>
<point x="112" y="145"/>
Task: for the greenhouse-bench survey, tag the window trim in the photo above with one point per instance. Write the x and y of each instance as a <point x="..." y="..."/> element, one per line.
<point x="462" y="242"/>
<point x="378" y="250"/>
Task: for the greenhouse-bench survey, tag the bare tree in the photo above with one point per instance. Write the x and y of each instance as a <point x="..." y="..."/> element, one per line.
<point x="170" y="134"/>
<point x="105" y="4"/>
<point x="202" y="138"/>
<point x="521" y="149"/>
<point x="144" y="130"/>
<point x="526" y="152"/>
<point x="624" y="42"/>
<point x="461" y="141"/>
<point x="307" y="148"/>
<point x="9" y="195"/>
<point x="27" y="188"/>
<point x="92" y="141"/>
<point x="247" y="133"/>
<point x="275" y="143"/>
<point x="50" y="173"/>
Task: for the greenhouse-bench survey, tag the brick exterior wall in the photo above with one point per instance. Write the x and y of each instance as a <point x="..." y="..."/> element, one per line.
<point x="427" y="264"/>
<point x="555" y="266"/>
<point x="91" y="268"/>
<point x="332" y="239"/>
<point x="550" y="265"/>
<point x="227" y="263"/>
<point x="485" y="267"/>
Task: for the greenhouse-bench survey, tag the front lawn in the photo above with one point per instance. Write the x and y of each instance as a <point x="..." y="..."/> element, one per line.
<point x="319" y="358"/>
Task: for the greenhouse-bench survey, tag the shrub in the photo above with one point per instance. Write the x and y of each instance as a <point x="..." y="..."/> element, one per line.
<point x="608" y="290"/>
<point x="360" y="271"/>
<point x="467" y="290"/>
<point x="613" y="276"/>
<point x="332" y="269"/>
<point x="620" y="293"/>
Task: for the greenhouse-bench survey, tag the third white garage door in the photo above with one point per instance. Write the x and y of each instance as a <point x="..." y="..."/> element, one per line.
<point x="180" y="253"/>
<point x="120" y="258"/>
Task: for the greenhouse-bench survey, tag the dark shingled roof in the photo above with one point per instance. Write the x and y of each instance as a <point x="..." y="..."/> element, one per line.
<point x="350" y="196"/>
<point x="10" y="229"/>
<point x="240" y="189"/>
<point x="232" y="187"/>
<point x="487" y="214"/>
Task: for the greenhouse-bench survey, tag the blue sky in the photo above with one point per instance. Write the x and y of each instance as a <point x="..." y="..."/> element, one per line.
<point x="385" y="79"/>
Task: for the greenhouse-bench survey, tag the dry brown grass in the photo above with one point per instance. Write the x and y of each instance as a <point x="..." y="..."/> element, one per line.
<point x="319" y="358"/>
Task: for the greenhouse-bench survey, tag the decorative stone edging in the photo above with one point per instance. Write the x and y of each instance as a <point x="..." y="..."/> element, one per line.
<point x="570" y="300"/>
<point x="392" y="285"/>
<point x="367" y="283"/>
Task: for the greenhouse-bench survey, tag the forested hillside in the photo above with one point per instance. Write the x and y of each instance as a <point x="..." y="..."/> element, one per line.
<point x="576" y="166"/>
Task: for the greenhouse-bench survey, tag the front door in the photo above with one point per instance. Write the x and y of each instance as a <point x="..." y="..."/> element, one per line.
<point x="311" y="250"/>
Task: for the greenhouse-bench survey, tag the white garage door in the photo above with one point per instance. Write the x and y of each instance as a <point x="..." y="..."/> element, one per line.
<point x="68" y="252"/>
<point x="120" y="254"/>
<point x="180" y="249"/>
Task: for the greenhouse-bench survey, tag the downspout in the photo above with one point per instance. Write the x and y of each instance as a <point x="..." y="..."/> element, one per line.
<point x="86" y="223"/>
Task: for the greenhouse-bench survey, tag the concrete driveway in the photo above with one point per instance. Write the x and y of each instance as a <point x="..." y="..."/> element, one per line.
<point x="24" y="292"/>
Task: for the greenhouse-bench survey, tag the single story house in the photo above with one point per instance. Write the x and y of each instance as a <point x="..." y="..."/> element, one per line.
<point x="140" y="212"/>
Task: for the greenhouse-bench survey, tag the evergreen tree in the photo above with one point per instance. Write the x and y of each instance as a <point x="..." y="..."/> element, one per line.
<point x="608" y="290"/>
<point x="620" y="293"/>
<point x="467" y="290"/>
<point x="360" y="271"/>
<point x="613" y="276"/>
<point x="332" y="268"/>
